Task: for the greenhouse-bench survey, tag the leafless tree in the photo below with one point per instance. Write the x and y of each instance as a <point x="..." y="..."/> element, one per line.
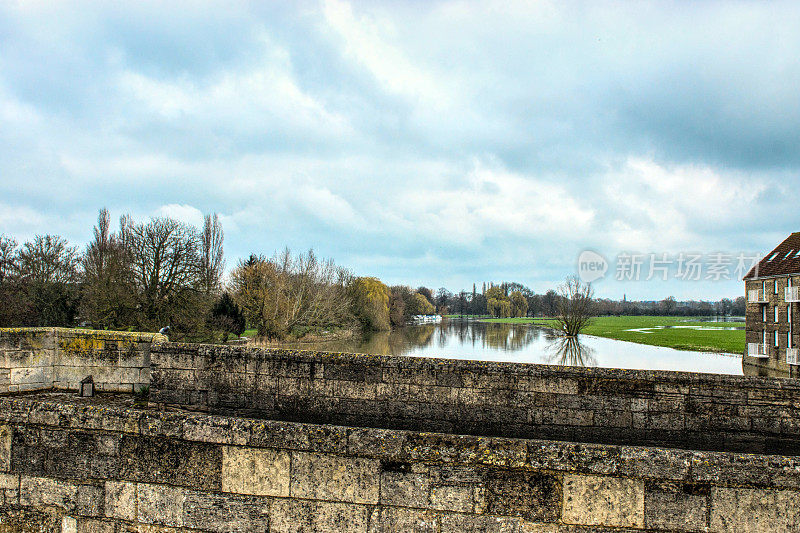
<point x="165" y="265"/>
<point x="8" y="258"/>
<point x="574" y="306"/>
<point x="286" y="291"/>
<point x="48" y="259"/>
<point x="212" y="263"/>
<point x="108" y="293"/>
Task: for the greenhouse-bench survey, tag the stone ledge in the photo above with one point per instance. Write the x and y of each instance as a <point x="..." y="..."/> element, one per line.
<point x="723" y="468"/>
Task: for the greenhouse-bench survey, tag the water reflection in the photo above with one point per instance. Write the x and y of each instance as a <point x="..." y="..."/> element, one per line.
<point x="468" y="339"/>
<point x="569" y="351"/>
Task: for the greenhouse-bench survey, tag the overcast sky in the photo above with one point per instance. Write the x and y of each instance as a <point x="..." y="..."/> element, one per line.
<point x="435" y="143"/>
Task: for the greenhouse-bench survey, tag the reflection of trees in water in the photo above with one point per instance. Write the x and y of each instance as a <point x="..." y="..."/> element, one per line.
<point x="508" y="337"/>
<point x="398" y="341"/>
<point x="568" y="351"/>
<point x="502" y="337"/>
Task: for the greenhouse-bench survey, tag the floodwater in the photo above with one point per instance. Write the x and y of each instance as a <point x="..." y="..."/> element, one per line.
<point x="469" y="339"/>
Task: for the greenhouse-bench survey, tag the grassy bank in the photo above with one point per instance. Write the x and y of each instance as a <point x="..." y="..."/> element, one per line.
<point x="705" y="339"/>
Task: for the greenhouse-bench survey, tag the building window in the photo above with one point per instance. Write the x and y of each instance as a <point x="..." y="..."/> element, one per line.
<point x="763" y="313"/>
<point x="776" y="314"/>
<point x="775" y="287"/>
<point x="764" y="288"/>
<point x="775" y="337"/>
<point x="788" y="339"/>
<point x="789" y="314"/>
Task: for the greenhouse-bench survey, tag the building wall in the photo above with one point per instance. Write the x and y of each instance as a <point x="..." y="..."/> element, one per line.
<point x="43" y="358"/>
<point x="755" y="324"/>
<point x="694" y="411"/>
<point x="71" y="466"/>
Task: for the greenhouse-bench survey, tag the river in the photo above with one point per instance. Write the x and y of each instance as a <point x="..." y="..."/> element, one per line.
<point x="469" y="339"/>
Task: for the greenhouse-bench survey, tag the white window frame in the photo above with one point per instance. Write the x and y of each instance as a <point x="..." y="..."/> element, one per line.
<point x="776" y="314"/>
<point x="775" y="337"/>
<point x="775" y="287"/>
<point x="763" y="313"/>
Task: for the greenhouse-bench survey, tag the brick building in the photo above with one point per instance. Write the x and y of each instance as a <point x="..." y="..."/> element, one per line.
<point x="772" y="289"/>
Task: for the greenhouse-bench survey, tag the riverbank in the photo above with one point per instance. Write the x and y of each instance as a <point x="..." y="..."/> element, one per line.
<point x="681" y="333"/>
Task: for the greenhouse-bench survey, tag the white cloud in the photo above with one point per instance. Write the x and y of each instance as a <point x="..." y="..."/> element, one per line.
<point x="436" y="142"/>
<point x="662" y="207"/>
<point x="185" y="213"/>
<point x="367" y="39"/>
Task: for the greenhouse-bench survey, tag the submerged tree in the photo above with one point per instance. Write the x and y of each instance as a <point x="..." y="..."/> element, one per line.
<point x="574" y="308"/>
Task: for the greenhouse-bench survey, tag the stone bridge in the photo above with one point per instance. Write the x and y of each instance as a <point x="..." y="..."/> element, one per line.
<point x="245" y="439"/>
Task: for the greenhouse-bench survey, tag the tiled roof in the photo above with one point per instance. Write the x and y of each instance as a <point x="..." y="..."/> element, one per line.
<point x="784" y="259"/>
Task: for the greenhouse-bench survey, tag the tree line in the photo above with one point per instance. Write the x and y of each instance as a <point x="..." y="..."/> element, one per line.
<point x="143" y="276"/>
<point x="163" y="272"/>
<point x="512" y="299"/>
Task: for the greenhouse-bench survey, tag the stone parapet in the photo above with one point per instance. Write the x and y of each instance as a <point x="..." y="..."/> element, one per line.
<point x="107" y="468"/>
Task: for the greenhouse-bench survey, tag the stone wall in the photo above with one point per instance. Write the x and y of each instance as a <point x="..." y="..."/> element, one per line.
<point x="44" y="358"/>
<point x="686" y="410"/>
<point x="69" y="465"/>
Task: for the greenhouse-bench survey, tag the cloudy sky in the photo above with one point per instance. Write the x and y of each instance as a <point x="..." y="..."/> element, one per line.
<point x="435" y="143"/>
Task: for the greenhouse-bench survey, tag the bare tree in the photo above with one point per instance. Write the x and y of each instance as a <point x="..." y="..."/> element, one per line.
<point x="165" y="266"/>
<point x="47" y="278"/>
<point x="8" y="258"/>
<point x="574" y="306"/>
<point x="108" y="293"/>
<point x="48" y="259"/>
<point x="212" y="263"/>
<point x="287" y="291"/>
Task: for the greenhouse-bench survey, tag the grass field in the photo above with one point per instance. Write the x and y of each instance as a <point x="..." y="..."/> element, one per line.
<point x="708" y="338"/>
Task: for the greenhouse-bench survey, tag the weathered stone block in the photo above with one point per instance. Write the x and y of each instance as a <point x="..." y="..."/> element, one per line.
<point x="452" y="498"/>
<point x="263" y="472"/>
<point x="90" y="500"/>
<point x="90" y="525"/>
<point x="676" y="506"/>
<point x="34" y="375"/>
<point x="333" y="477"/>
<point x="744" y="509"/>
<point x="291" y="516"/>
<point x="603" y="501"/>
<point x="405" y="488"/>
<point x="392" y="519"/>
<point x="120" y="500"/>
<point x="452" y="522"/>
<point x="173" y="461"/>
<point x="5" y="448"/>
<point x="69" y="525"/>
<point x="532" y="495"/>
<point x="9" y="482"/>
<point x="225" y="513"/>
<point x="160" y="504"/>
<point x="38" y="492"/>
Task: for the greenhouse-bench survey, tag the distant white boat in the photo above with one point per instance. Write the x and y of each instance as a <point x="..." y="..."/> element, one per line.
<point x="426" y="319"/>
